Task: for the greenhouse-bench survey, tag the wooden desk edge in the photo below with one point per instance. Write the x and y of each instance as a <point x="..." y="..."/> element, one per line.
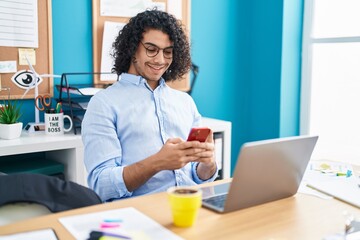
<point x="298" y="214"/>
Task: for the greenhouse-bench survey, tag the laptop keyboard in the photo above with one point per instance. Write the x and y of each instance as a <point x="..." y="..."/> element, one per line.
<point x="218" y="200"/>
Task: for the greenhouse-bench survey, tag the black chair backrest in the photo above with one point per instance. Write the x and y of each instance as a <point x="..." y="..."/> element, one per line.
<point x="55" y="194"/>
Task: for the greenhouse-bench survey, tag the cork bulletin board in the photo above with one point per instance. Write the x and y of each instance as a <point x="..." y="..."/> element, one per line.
<point x="98" y="31"/>
<point x="43" y="53"/>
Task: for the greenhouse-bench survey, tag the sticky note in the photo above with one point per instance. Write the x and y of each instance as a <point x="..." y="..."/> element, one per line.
<point x="29" y="53"/>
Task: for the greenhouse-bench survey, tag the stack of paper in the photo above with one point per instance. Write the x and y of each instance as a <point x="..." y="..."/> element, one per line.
<point x="335" y="179"/>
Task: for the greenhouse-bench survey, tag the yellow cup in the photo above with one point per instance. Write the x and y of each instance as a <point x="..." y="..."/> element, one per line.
<point x="185" y="203"/>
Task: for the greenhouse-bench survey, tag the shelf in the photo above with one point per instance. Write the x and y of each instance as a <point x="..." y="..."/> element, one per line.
<point x="80" y="104"/>
<point x="75" y="97"/>
<point x="82" y="90"/>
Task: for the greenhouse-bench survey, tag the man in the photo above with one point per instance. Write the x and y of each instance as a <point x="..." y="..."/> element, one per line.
<point x="133" y="131"/>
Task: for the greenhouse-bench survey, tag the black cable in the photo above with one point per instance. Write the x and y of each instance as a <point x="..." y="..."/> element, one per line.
<point x="195" y="70"/>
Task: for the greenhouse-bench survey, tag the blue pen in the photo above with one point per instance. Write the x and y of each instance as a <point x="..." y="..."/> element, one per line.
<point x="347" y="174"/>
<point x="112" y="220"/>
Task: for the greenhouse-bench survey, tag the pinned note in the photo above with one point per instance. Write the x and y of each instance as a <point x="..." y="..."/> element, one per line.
<point x="8" y="66"/>
<point x="29" y="53"/>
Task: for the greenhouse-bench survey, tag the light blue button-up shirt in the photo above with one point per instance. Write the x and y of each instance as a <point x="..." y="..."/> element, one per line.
<point x="128" y="122"/>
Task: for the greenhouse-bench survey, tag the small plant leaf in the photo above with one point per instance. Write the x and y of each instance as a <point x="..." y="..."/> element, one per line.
<point x="10" y="112"/>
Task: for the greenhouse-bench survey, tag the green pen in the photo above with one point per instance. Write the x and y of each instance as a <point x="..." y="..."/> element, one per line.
<point x="348" y="173"/>
<point x="340" y="174"/>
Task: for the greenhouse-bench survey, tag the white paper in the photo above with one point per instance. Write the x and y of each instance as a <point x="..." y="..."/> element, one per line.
<point x="304" y="189"/>
<point x="126" y="8"/>
<point x="46" y="234"/>
<point x="353" y="236"/>
<point x="175" y="8"/>
<point x="218" y="152"/>
<point x="89" y="91"/>
<point x="133" y="224"/>
<point x="111" y="31"/>
<point x="8" y="66"/>
<point x="345" y="188"/>
<point x="19" y="23"/>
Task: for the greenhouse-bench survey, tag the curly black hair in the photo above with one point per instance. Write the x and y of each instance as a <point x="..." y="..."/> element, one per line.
<point x="129" y="37"/>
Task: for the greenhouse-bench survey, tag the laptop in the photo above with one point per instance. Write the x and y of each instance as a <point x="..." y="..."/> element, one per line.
<point x="266" y="171"/>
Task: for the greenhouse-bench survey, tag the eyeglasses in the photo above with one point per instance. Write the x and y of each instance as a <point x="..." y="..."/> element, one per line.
<point x="153" y="50"/>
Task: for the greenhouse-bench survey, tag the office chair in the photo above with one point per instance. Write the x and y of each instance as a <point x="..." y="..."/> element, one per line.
<point x="41" y="194"/>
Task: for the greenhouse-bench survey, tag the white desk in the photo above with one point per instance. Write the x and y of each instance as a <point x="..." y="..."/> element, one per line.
<point x="69" y="150"/>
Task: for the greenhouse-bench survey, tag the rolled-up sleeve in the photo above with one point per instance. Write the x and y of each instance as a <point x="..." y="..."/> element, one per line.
<point x="196" y="177"/>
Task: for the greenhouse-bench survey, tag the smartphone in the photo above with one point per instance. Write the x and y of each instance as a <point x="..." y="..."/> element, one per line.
<point x="199" y="134"/>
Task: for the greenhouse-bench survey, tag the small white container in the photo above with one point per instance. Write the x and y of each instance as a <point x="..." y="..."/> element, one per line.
<point x="10" y="131"/>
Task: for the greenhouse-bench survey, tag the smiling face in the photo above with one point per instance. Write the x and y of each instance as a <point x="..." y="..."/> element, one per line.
<point x="152" y="68"/>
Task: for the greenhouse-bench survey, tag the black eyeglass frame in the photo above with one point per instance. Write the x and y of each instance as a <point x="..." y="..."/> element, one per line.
<point x="157" y="51"/>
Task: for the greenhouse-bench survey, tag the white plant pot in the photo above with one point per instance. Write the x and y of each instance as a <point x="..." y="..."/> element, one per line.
<point x="10" y="131"/>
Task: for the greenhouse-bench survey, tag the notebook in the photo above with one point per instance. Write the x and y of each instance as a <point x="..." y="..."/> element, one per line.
<point x="346" y="189"/>
<point x="266" y="171"/>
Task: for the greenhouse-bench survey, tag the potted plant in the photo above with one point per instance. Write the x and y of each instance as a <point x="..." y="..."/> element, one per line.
<point x="10" y="127"/>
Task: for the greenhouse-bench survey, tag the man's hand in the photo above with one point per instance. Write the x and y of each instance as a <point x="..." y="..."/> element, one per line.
<point x="175" y="154"/>
<point x="207" y="166"/>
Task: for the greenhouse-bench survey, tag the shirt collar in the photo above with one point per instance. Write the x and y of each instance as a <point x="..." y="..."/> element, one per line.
<point x="136" y="79"/>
